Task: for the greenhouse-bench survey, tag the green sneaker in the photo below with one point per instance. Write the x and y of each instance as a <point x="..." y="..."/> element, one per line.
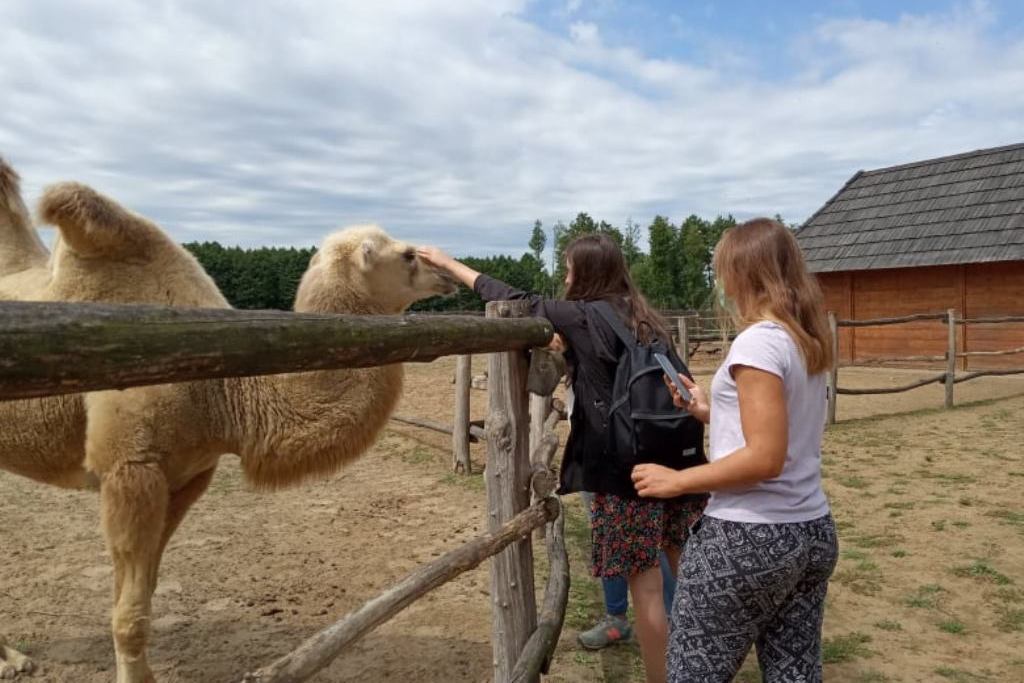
<point x="608" y="631"/>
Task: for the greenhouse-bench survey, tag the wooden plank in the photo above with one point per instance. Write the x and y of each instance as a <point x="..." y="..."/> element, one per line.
<point x="891" y="321"/>
<point x="684" y="341"/>
<point x="893" y="390"/>
<point x="950" y="356"/>
<point x="833" y="374"/>
<point x="318" y="651"/>
<point x="536" y="656"/>
<point x="989" y="373"/>
<point x="56" y="348"/>
<point x="507" y="475"/>
<point x="460" y="421"/>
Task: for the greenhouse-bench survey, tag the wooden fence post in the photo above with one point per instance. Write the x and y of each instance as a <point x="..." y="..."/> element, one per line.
<point x="508" y="471"/>
<point x="950" y="356"/>
<point x="460" y="425"/>
<point x="684" y="341"/>
<point x="833" y="373"/>
<point x="540" y="406"/>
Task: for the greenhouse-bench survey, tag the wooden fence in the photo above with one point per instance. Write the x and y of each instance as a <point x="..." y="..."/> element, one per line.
<point x="949" y="377"/>
<point x="55" y="348"/>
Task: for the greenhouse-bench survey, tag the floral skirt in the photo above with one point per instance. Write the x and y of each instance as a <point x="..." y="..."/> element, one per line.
<point x="628" y="533"/>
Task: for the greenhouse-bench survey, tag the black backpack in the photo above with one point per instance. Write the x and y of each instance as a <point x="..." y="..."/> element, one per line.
<point x="644" y="426"/>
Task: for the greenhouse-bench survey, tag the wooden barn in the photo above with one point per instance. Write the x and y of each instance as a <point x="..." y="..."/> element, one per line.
<point x="923" y="238"/>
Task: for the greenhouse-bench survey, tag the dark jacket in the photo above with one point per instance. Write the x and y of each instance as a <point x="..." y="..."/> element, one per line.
<point x="592" y="356"/>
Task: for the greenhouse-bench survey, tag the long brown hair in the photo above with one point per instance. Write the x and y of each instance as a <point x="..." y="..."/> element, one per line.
<point x="599" y="272"/>
<point x="761" y="268"/>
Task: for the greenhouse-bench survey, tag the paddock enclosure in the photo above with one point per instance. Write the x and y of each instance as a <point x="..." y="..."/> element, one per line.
<point x="928" y="502"/>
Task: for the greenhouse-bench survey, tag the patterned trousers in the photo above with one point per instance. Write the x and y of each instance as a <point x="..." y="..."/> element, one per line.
<point x="751" y="584"/>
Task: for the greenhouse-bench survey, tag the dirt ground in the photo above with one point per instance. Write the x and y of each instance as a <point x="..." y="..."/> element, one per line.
<point x="930" y="586"/>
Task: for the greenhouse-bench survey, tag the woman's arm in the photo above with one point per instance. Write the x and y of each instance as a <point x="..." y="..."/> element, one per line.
<point x="439" y="259"/>
<point x="765" y="424"/>
<point x="469" y="277"/>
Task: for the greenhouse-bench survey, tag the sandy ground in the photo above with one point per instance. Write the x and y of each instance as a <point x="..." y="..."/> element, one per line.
<point x="929" y="588"/>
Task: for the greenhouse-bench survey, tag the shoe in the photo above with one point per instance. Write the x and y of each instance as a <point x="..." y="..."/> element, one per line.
<point x="608" y="631"/>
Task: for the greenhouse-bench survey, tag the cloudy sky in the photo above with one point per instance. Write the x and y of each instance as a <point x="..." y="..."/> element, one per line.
<point x="460" y="122"/>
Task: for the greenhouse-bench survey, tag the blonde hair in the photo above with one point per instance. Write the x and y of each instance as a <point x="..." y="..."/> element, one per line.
<point x="760" y="267"/>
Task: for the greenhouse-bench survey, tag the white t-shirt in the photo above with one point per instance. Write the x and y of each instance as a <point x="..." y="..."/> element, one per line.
<point x="796" y="494"/>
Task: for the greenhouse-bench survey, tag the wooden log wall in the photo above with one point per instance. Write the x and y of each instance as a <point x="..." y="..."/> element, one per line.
<point x="975" y="290"/>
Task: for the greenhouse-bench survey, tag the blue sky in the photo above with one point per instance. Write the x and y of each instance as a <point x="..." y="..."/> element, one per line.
<point x="459" y="123"/>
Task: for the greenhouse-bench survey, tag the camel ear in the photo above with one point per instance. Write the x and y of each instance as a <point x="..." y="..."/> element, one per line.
<point x="368" y="254"/>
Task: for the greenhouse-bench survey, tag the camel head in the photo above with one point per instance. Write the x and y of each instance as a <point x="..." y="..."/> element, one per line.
<point x="362" y="269"/>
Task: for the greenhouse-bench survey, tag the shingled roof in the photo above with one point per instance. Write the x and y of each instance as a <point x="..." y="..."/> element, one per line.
<point x="967" y="208"/>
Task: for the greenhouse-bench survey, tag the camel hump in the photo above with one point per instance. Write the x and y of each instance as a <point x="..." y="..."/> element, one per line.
<point x="95" y="225"/>
<point x="10" y="185"/>
<point x="20" y="246"/>
<point x="10" y="197"/>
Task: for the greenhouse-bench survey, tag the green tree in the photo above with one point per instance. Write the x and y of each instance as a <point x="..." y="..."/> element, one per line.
<point x="631" y="242"/>
<point x="538" y="240"/>
<point x="663" y="280"/>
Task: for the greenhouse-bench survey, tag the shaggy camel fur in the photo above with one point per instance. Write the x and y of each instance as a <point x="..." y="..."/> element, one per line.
<point x="102" y="253"/>
<point x="284" y="428"/>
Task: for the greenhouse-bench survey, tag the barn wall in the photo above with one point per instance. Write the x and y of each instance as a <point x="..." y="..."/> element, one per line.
<point x="974" y="290"/>
<point x="836" y="288"/>
<point x="994" y="289"/>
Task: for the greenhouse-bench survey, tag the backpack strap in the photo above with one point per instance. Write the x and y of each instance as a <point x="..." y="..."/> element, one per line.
<point x="610" y="317"/>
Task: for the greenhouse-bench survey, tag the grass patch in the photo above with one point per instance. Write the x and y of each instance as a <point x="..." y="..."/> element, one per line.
<point x="845" y="648"/>
<point x="859" y="582"/>
<point x="853" y="482"/>
<point x="952" y="626"/>
<point x="1007" y="515"/>
<point x="925" y="597"/>
<point x="1011" y="619"/>
<point x="471" y="482"/>
<point x="983" y="571"/>
<point x="418" y="456"/>
<point x="1007" y="594"/>
<point x="899" y="552"/>
<point x="882" y="540"/>
<point x="939" y="525"/>
<point x="871" y="677"/>
<point x="960" y="524"/>
<point x="959" y="675"/>
<point x="901" y="505"/>
<point x="888" y="625"/>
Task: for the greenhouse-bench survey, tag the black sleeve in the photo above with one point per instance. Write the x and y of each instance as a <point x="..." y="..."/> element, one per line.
<point x="563" y="315"/>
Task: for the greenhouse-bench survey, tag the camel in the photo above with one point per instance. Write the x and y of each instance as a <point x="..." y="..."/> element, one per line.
<point x="152" y="451"/>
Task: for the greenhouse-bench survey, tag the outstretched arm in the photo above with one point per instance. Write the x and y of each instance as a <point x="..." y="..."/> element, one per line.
<point x="439" y="259"/>
<point x="559" y="313"/>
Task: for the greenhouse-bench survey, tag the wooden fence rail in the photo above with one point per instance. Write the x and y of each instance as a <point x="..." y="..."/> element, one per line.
<point x="322" y="648"/>
<point x="53" y="348"/>
<point x="948" y="378"/>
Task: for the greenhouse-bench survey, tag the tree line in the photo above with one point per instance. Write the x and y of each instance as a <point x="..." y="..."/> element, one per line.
<point x="674" y="272"/>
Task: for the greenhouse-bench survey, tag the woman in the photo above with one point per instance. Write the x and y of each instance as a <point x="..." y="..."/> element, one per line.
<point x="627" y="532"/>
<point x="757" y="565"/>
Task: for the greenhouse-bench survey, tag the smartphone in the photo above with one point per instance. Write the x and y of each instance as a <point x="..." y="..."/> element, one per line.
<point x="673" y="375"/>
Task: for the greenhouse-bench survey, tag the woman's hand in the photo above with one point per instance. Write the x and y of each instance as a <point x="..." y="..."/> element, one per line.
<point x="435" y="257"/>
<point x="557" y="343"/>
<point x="698" y="406"/>
<point x="655" y="481"/>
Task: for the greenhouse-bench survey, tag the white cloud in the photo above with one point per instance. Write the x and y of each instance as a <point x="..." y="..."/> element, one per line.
<point x="460" y="123"/>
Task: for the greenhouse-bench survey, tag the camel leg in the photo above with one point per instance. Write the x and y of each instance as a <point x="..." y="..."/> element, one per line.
<point x="134" y="504"/>
<point x="179" y="504"/>
<point x="13" y="662"/>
